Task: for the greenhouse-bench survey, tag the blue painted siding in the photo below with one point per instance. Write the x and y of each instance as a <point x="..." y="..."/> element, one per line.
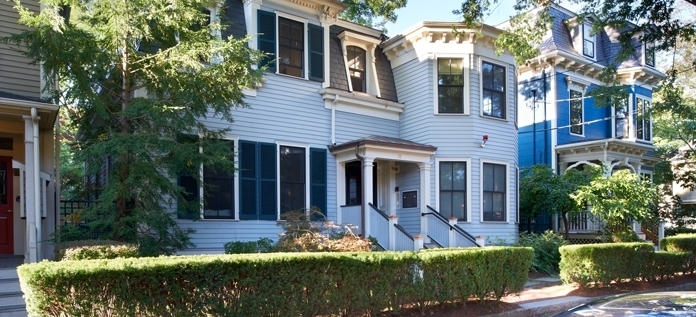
<point x="408" y="178"/>
<point x="535" y="131"/>
<point x="598" y="130"/>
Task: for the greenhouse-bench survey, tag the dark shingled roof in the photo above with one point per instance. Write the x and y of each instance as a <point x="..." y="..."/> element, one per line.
<point x="233" y="17"/>
<point x="606" y="48"/>
<point x="385" y="141"/>
<point x="9" y="95"/>
<point x="339" y="79"/>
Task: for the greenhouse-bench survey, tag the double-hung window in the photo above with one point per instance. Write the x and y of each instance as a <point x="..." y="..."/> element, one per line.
<point x="356" y="67"/>
<point x="452" y="190"/>
<point x="353" y="183"/>
<point x="299" y="45"/>
<point x="643" y="122"/>
<point x="493" y="77"/>
<point x="576" y="112"/>
<point x="292" y="178"/>
<point x="649" y="54"/>
<point x="588" y="41"/>
<point x="218" y="193"/>
<point x="494" y="192"/>
<point x="450" y="85"/>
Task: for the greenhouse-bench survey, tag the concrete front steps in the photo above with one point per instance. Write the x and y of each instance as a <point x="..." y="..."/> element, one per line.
<point x="11" y="300"/>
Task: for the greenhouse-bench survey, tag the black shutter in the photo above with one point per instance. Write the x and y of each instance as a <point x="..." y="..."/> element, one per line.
<point x="316" y="52"/>
<point x="317" y="176"/>
<point x="247" y="180"/>
<point x="267" y="38"/>
<point x="267" y="197"/>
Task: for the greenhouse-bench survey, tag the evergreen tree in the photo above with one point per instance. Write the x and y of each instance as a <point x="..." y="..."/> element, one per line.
<point x="142" y="75"/>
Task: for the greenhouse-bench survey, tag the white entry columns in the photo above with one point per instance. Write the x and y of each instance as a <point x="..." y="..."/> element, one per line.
<point x="32" y="196"/>
<point x="368" y="162"/>
<point x="424" y="168"/>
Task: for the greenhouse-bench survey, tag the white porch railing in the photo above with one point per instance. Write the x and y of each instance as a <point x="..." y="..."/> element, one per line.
<point x="379" y="221"/>
<point x="403" y="241"/>
<point x="352" y="215"/>
<point x="583" y="221"/>
<point x="447" y="233"/>
<point x="438" y="230"/>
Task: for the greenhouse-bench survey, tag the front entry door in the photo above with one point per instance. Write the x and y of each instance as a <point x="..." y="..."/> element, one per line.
<point x="6" y="206"/>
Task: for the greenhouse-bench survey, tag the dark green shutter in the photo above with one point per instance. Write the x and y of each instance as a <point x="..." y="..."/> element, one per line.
<point x="247" y="179"/>
<point x="317" y="176"/>
<point x="268" y="208"/>
<point x="267" y="37"/>
<point x="316" y="52"/>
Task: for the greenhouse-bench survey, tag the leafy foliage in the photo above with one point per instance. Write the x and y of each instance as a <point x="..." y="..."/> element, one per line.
<point x="94" y="249"/>
<point x="302" y="232"/>
<point x="602" y="264"/>
<point x="274" y="284"/>
<point x="546" y="254"/>
<point x="141" y="74"/>
<point x="263" y="245"/>
<point x="366" y="12"/>
<point x="679" y="243"/>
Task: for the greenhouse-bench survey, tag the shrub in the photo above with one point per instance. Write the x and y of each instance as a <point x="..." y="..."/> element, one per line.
<point x="273" y="284"/>
<point x="679" y="243"/>
<point x="673" y="231"/>
<point x="545" y="245"/>
<point x="94" y="249"/>
<point x="604" y="263"/>
<point x="262" y="245"/>
<point x="663" y="265"/>
<point x="309" y="231"/>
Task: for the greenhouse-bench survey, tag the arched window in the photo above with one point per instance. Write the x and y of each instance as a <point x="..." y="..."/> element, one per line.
<point x="356" y="67"/>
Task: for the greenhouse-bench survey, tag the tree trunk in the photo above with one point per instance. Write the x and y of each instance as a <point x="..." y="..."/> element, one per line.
<point x="564" y="216"/>
<point x="122" y="206"/>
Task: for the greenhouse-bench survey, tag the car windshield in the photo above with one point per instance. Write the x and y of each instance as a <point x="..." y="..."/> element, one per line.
<point x="648" y="304"/>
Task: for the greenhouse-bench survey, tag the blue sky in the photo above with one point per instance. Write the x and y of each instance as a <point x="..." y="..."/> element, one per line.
<point x="441" y="10"/>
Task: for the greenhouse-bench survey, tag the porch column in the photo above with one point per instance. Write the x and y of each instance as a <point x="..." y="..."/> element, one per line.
<point x="31" y="195"/>
<point x="367" y="193"/>
<point x="424" y="168"/>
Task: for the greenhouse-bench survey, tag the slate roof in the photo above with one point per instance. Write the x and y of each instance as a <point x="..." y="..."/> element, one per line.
<point x="606" y="49"/>
<point x="9" y="95"/>
<point x="339" y="79"/>
<point x="234" y="17"/>
<point x="385" y="141"/>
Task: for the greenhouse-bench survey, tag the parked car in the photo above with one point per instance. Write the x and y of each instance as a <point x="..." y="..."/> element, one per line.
<point x="644" y="304"/>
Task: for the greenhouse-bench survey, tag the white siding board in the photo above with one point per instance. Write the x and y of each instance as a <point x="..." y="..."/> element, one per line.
<point x="17" y="75"/>
<point x="414" y="88"/>
<point x="350" y="126"/>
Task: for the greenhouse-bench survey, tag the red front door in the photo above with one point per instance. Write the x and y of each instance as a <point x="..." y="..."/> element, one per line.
<point x="6" y="206"/>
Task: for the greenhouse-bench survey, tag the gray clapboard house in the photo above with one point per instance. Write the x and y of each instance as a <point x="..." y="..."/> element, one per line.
<point x="413" y="138"/>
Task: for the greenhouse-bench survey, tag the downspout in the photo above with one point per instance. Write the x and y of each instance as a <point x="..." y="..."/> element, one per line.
<point x="37" y="182"/>
<point x="362" y="188"/>
<point x="333" y="120"/>
<point x="546" y="128"/>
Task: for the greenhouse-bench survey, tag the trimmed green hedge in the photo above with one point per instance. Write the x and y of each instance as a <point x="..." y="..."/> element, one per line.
<point x="94" y="250"/>
<point x="679" y="243"/>
<point x="274" y="284"/>
<point x="602" y="264"/>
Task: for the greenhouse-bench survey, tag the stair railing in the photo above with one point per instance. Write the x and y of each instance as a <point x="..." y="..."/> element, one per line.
<point x="440" y="229"/>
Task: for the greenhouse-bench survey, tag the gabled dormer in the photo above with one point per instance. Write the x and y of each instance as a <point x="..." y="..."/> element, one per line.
<point x="583" y="38"/>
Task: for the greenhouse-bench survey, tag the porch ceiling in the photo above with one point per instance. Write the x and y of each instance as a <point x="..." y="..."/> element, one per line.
<point x="382" y="147"/>
<point x="12" y="110"/>
<point x="607" y="150"/>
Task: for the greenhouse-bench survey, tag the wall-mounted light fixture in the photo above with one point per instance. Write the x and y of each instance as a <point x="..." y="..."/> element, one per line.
<point x="485" y="139"/>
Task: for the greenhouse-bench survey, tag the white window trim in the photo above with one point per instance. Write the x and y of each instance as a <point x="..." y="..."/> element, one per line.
<point x="305" y="52"/>
<point x="645" y="55"/>
<point x="368" y="44"/>
<point x="582" y="112"/>
<point x="418" y="202"/>
<point x="466" y="66"/>
<point x="594" y="42"/>
<point x="507" y="91"/>
<point x="468" y="184"/>
<point x="307" y="180"/>
<point x="635" y="111"/>
<point x="235" y="144"/>
<point x="507" y="190"/>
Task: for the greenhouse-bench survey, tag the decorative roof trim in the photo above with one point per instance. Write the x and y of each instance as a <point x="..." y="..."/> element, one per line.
<point x="351" y="36"/>
<point x="361" y="103"/>
<point x="329" y="8"/>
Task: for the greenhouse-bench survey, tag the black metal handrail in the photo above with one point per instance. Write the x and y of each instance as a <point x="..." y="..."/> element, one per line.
<point x="434" y="241"/>
<point x="382" y="213"/>
<point x="456" y="228"/>
<point x="400" y="228"/>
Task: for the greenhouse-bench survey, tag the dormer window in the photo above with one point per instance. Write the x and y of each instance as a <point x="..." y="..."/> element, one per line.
<point x="588" y="41"/>
<point x="356" y="67"/>
<point x="359" y="57"/>
<point x="649" y="54"/>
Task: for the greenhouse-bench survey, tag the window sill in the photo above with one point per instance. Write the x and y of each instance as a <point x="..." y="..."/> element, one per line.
<point x="494" y="222"/>
<point x="358" y="205"/>
<point x="451" y="114"/>
<point x="494" y="118"/>
<point x="577" y="135"/>
<point x="220" y="220"/>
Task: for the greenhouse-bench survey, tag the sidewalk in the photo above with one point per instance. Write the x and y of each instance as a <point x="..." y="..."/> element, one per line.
<point x="547" y="296"/>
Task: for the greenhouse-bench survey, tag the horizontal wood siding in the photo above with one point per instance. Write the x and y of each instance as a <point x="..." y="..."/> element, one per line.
<point x="414" y="87"/>
<point x="16" y="74"/>
<point x="350" y="126"/>
<point x="285" y="109"/>
<point x="408" y="178"/>
<point x="601" y="129"/>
